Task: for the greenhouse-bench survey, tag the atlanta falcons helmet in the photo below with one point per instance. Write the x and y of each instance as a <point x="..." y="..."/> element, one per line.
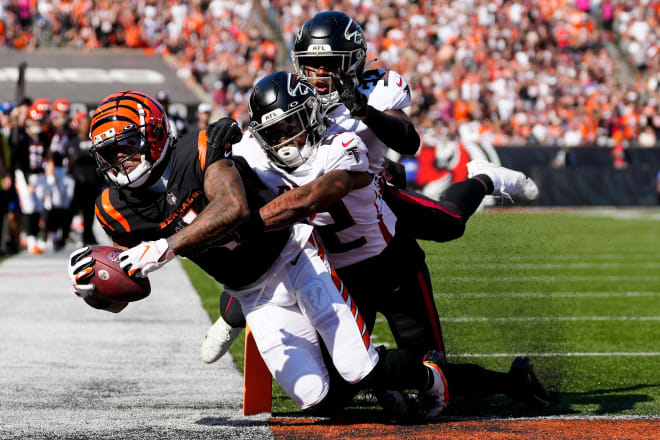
<point x="286" y="118"/>
<point x="335" y="41"/>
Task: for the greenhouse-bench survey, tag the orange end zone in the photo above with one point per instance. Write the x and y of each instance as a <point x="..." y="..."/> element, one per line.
<point x="548" y="429"/>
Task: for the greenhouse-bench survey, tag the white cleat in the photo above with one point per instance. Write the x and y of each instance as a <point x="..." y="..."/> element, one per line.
<point x="507" y="182"/>
<point x="217" y="341"/>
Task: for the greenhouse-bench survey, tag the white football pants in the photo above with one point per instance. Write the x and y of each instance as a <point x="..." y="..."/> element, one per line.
<point x="289" y="308"/>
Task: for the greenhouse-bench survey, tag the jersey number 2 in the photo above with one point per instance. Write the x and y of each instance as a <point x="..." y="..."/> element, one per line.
<point x="343" y="220"/>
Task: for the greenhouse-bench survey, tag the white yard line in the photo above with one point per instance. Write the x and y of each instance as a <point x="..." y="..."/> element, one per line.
<point x="545" y="295"/>
<point x="627" y="255"/>
<point x="509" y="266"/>
<point x="555" y="278"/>
<point x="570" y="354"/>
<point x="549" y="318"/>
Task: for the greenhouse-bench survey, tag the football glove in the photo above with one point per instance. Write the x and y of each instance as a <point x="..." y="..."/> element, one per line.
<point x="146" y="257"/>
<point x="81" y="271"/>
<point x="349" y="95"/>
<point x="223" y="133"/>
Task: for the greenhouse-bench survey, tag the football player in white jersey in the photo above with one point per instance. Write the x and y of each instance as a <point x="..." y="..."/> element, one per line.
<point x="330" y="50"/>
<point x="288" y="148"/>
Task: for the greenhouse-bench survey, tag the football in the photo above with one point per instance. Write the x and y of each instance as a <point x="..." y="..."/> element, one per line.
<point x="112" y="283"/>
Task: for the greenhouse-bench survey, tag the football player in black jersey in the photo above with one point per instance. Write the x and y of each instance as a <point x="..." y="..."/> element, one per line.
<point x="192" y="199"/>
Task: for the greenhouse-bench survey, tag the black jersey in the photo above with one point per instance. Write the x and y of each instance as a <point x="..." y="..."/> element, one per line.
<point x="30" y="153"/>
<point x="147" y="215"/>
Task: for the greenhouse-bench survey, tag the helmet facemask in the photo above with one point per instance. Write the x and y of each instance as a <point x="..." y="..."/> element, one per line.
<point x="115" y="153"/>
<point x="290" y="137"/>
<point x="333" y="40"/>
<point x="307" y="64"/>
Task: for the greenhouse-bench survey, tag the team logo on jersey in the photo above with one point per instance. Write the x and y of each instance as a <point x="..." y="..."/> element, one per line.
<point x="171" y="199"/>
<point x="354" y="152"/>
<point x="352" y="32"/>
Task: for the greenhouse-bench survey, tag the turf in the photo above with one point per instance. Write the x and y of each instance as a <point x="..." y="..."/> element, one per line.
<point x="544" y="283"/>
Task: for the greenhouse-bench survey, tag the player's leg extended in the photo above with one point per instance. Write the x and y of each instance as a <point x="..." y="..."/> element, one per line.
<point x="429" y="219"/>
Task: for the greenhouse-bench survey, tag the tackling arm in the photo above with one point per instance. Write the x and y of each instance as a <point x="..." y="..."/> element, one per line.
<point x="394" y="129"/>
<point x="227" y="208"/>
<point x="299" y="203"/>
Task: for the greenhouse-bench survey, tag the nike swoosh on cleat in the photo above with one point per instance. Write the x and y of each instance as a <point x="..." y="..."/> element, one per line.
<point x="346" y="144"/>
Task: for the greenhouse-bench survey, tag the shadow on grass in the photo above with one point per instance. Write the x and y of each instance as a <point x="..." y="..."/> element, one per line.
<point x="612" y="401"/>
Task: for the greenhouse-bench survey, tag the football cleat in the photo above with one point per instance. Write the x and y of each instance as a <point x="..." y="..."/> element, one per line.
<point x="217" y="341"/>
<point x="506" y="182"/>
<point x="395" y="403"/>
<point x="528" y="389"/>
<point x="434" y="400"/>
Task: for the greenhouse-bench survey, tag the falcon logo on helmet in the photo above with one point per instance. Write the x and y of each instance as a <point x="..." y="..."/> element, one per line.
<point x="297" y="88"/>
<point x="286" y="118"/>
<point x="354" y="32"/>
<point x="334" y="41"/>
<point x="126" y="126"/>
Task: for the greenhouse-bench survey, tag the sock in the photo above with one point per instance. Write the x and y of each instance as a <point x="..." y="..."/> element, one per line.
<point x="465" y="197"/>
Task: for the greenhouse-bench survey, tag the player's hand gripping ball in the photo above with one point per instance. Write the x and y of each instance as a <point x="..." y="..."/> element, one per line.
<point x="95" y="271"/>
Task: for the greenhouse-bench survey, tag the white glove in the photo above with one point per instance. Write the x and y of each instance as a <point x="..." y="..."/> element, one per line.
<point x="80" y="269"/>
<point x="146" y="257"/>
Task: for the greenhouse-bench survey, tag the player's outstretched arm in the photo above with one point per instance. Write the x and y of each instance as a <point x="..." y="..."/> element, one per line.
<point x="393" y="127"/>
<point x="299" y="203"/>
<point x="227" y="208"/>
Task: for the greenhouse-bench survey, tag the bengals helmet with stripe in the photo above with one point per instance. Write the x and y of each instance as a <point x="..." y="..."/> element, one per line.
<point x="124" y="125"/>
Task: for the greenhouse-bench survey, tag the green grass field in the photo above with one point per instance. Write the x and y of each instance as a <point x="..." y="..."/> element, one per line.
<point x="579" y="292"/>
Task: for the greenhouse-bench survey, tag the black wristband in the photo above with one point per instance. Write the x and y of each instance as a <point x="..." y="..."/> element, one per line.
<point x="251" y="227"/>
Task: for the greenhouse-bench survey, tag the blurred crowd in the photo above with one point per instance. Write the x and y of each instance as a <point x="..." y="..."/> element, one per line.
<point x="484" y="73"/>
<point x="48" y="178"/>
<point x="500" y="72"/>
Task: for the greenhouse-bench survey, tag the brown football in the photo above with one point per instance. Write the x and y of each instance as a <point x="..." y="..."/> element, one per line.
<point x="112" y="283"/>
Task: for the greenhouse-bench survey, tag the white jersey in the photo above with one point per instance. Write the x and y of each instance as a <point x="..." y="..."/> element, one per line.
<point x="357" y="227"/>
<point x="385" y="90"/>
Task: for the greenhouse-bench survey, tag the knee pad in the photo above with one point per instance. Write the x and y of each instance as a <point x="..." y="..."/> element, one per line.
<point x="310" y="391"/>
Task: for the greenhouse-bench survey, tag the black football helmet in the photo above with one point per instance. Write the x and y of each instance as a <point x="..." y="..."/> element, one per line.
<point x="286" y="118"/>
<point x="334" y="41"/>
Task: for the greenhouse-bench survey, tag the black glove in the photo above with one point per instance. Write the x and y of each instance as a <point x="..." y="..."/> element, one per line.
<point x="223" y="132"/>
<point x="395" y="173"/>
<point x="346" y="85"/>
